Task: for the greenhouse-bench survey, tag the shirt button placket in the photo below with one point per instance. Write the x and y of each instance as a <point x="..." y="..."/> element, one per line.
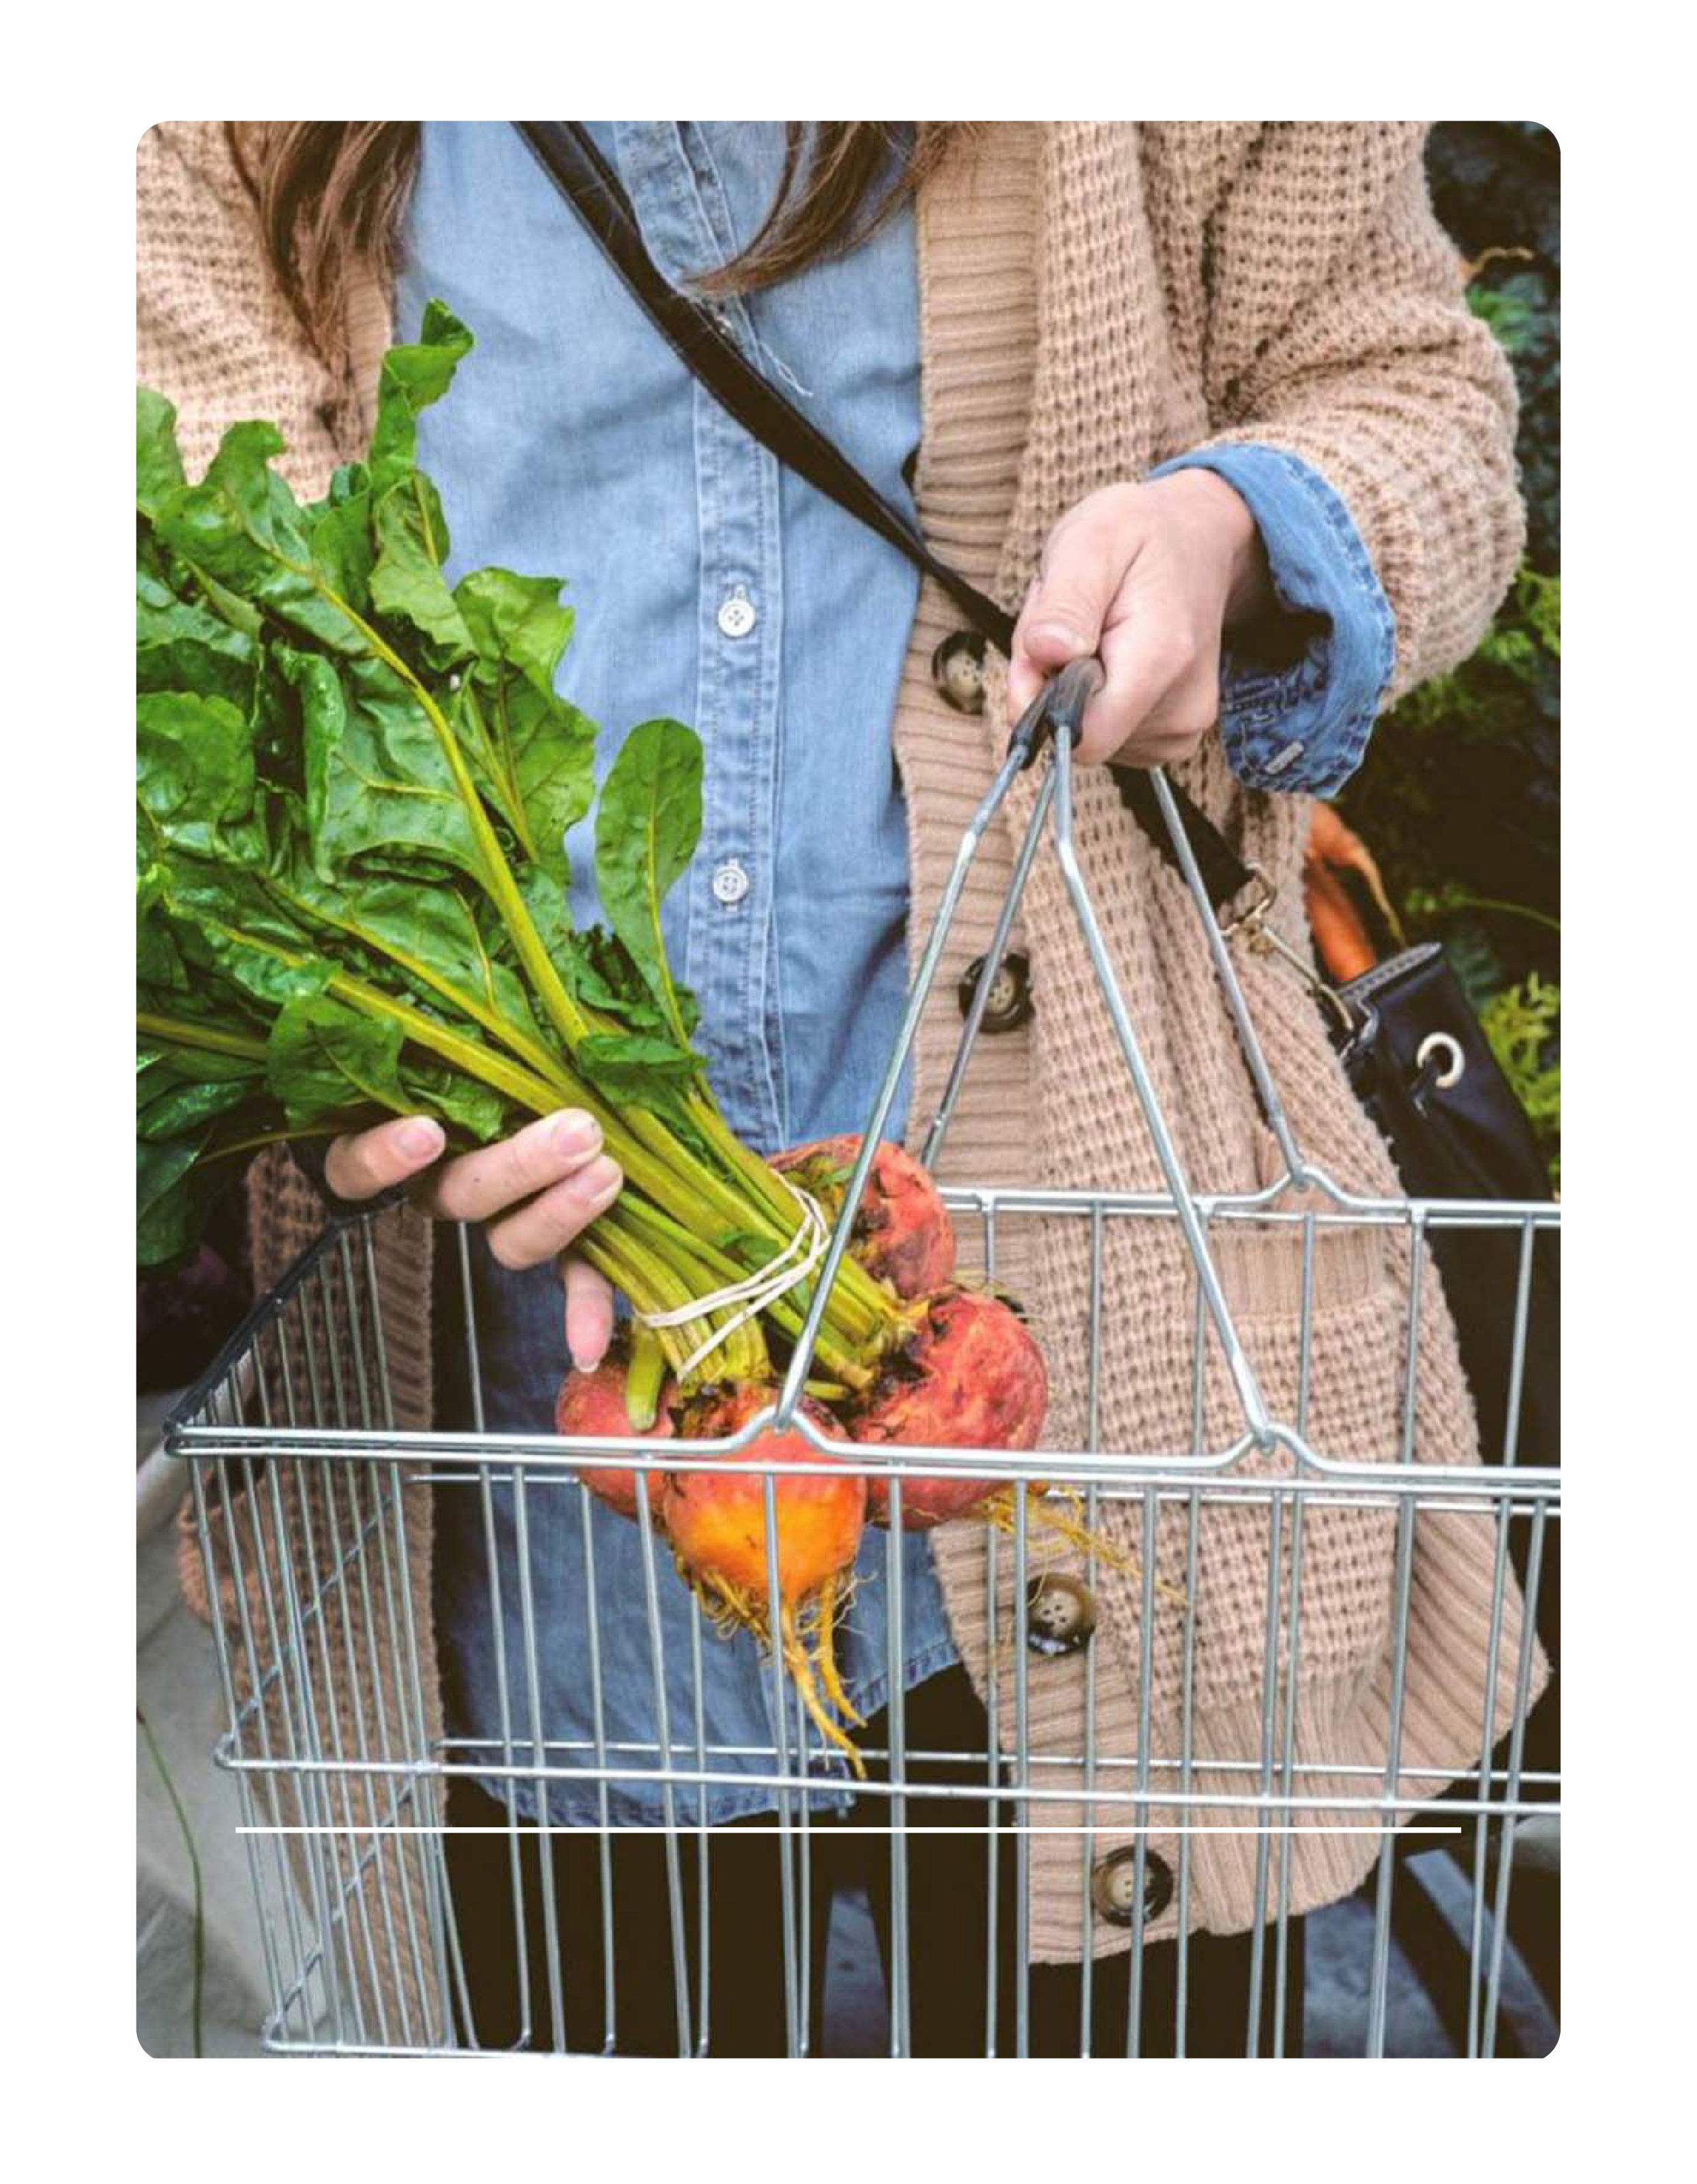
<point x="741" y="582"/>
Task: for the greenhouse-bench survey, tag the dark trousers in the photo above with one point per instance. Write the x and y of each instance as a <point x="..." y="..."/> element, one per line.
<point x="746" y="2006"/>
<point x="948" y="1891"/>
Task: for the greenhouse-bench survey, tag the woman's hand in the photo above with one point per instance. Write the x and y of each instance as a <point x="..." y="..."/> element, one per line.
<point x="534" y="1192"/>
<point x="1148" y="576"/>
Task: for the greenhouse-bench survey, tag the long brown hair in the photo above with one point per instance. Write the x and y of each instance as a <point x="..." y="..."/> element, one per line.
<point x="331" y="193"/>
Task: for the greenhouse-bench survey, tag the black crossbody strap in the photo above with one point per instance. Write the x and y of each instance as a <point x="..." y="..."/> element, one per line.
<point x="569" y="156"/>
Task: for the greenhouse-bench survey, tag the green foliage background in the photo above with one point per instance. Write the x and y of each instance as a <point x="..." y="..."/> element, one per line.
<point x="1459" y="795"/>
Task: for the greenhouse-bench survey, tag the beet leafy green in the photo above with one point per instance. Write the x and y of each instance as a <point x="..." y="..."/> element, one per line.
<point x="353" y="785"/>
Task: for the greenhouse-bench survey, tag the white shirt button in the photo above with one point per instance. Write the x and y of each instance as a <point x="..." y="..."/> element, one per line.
<point x="737" y="615"/>
<point x="730" y="883"/>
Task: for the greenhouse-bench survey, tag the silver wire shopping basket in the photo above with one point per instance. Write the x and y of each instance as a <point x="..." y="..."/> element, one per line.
<point x="308" y="1499"/>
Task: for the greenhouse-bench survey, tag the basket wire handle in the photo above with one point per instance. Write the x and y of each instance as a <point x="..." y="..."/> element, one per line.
<point x="802" y="1359"/>
<point x="1053" y="719"/>
<point x="1061" y="702"/>
<point x="1255" y="1413"/>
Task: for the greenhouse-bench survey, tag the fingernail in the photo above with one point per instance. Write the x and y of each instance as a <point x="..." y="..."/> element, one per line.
<point x="585" y="1361"/>
<point x="420" y="1139"/>
<point x="575" y="1136"/>
<point x="600" y="1180"/>
<point x="1051" y="632"/>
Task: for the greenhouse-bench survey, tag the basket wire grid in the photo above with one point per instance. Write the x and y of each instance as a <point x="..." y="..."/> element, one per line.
<point x="307" y="1497"/>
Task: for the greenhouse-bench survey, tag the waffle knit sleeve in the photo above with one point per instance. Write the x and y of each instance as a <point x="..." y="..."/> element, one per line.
<point x="1337" y="329"/>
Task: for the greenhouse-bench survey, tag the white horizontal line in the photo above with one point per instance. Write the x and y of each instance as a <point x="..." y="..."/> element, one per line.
<point x="795" y="1828"/>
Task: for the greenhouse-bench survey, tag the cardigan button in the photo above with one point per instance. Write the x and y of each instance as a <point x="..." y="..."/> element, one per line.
<point x="1009" y="1004"/>
<point x="957" y="668"/>
<point x="1060" y="1614"/>
<point x="1113" y="1886"/>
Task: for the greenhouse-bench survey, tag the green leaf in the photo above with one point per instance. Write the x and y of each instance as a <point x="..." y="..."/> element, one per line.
<point x="168" y="1204"/>
<point x="242" y="527"/>
<point x="324" y="1056"/>
<point x="433" y="1088"/>
<point x="516" y="622"/>
<point x="409" y="529"/>
<point x="545" y="903"/>
<point x="631" y="1071"/>
<point x="414" y="374"/>
<point x="598" y="969"/>
<point x="194" y="769"/>
<point x="646" y="830"/>
<point x="228" y="927"/>
<point x="1539" y="599"/>
<point x="407" y="583"/>
<point x="375" y="771"/>
<point x="1523" y="1024"/>
<point x="159" y="466"/>
<point x="1509" y="316"/>
<point x="340" y="535"/>
<point x="621" y="1058"/>
<point x="176" y="1108"/>
<point x="181" y="645"/>
<point x="534" y="755"/>
<point x="445" y="941"/>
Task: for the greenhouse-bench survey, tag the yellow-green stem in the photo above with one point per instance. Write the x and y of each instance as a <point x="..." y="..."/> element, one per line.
<point x="644" y="1379"/>
<point x="848" y="1367"/>
<point x="563" y="1012"/>
<point x="855" y="1290"/>
<point x="184" y="1032"/>
<point x="532" y="1051"/>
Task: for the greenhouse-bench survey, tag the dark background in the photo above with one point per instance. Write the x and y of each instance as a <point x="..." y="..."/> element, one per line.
<point x="1459" y="799"/>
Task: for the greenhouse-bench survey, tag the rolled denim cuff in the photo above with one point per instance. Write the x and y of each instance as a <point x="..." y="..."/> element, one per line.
<point x="1300" y="686"/>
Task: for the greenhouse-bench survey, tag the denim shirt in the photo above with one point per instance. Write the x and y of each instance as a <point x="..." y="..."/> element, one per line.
<point x="711" y="585"/>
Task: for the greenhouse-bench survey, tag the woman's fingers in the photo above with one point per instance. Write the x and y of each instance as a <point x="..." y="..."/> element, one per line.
<point x="495" y="1177"/>
<point x="1147" y="576"/>
<point x="1108" y="586"/>
<point x="588" y="1315"/>
<point x="359" y="1166"/>
<point x="542" y="1229"/>
<point x="533" y="1191"/>
<point x="1160" y="694"/>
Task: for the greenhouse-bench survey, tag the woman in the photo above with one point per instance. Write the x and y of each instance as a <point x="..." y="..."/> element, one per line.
<point x="1206" y="398"/>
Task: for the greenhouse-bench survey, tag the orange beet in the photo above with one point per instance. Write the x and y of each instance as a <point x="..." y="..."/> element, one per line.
<point x="969" y="1376"/>
<point x="902" y="1235"/>
<point x="717" y="1519"/>
<point x="593" y="1403"/>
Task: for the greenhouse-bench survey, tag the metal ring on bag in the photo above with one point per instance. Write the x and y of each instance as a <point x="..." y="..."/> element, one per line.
<point x="1436" y="1042"/>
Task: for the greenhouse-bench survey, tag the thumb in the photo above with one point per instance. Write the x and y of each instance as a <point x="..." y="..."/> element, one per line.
<point x="1063" y="615"/>
<point x="370" y="1161"/>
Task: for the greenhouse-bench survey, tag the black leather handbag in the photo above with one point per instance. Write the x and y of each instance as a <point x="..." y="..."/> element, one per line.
<point x="1421" y="1066"/>
<point x="1408" y="1040"/>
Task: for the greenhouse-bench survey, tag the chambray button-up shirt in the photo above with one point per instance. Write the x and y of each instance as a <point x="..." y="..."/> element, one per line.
<point x="711" y="585"/>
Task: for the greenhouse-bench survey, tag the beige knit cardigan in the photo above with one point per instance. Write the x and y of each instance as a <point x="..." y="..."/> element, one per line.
<point x="1096" y="296"/>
